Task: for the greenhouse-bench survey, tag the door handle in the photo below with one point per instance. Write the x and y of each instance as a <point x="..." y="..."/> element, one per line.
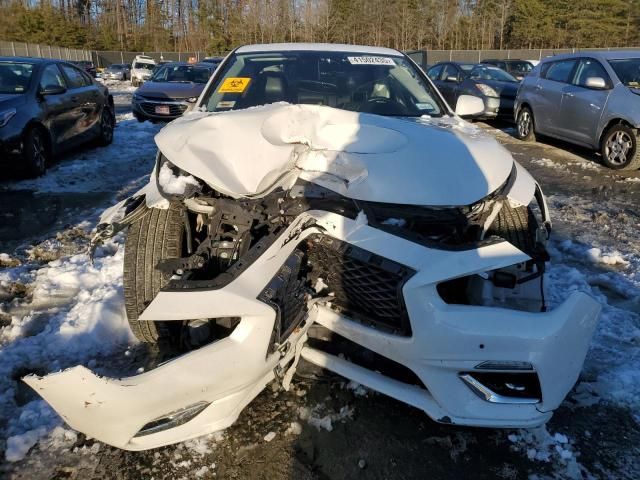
<point x="74" y="99"/>
<point x="538" y="87"/>
<point x="568" y="94"/>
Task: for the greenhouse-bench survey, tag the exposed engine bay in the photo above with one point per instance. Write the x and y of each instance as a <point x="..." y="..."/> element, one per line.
<point x="436" y="303"/>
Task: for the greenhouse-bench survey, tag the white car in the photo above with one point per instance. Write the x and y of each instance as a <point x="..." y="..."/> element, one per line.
<point x="325" y="200"/>
<point x="141" y="69"/>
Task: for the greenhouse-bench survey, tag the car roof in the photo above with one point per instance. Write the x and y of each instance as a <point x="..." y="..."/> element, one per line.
<point x="28" y="59"/>
<point x="506" y="60"/>
<point x="600" y="54"/>
<point x="318" y="47"/>
<point x="178" y="64"/>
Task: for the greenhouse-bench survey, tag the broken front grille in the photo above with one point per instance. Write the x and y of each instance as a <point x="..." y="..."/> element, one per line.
<point x="365" y="287"/>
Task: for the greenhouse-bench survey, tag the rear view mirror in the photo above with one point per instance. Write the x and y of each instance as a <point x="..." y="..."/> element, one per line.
<point x="52" y="90"/>
<point x="469" y="106"/>
<point x="596" y="82"/>
<point x="452" y="78"/>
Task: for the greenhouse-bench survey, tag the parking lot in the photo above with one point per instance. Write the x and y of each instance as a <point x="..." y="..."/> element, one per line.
<point x="323" y="427"/>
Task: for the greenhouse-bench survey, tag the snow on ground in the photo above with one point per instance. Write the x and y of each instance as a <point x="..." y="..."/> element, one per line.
<point x="109" y="169"/>
<point x="91" y="324"/>
<point x="73" y="313"/>
<point x="73" y="310"/>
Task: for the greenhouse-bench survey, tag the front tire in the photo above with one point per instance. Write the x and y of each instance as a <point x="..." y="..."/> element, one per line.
<point x="35" y="152"/>
<point x="619" y="148"/>
<point x="156" y="236"/>
<point x="525" y="126"/>
<point x="107" y="125"/>
<point x="517" y="226"/>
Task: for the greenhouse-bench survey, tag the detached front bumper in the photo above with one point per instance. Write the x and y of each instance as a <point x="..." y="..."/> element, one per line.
<point x="445" y="342"/>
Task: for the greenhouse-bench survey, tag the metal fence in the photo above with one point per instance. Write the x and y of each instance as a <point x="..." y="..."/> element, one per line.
<point x="19" y="49"/>
<point x="422" y="57"/>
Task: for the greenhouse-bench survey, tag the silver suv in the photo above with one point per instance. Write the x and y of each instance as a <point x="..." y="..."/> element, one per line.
<point x="590" y="99"/>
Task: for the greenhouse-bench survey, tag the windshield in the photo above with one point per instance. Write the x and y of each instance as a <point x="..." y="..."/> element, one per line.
<point x="145" y="66"/>
<point x="181" y="73"/>
<point x="15" y="77"/>
<point x="361" y="82"/>
<point x="521" y="67"/>
<point x="627" y="70"/>
<point x="491" y="73"/>
<point x="116" y="67"/>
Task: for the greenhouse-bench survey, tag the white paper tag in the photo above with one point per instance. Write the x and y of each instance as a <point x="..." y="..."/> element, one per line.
<point x="371" y="61"/>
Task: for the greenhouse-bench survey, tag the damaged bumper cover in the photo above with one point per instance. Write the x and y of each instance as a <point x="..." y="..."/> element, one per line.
<point x="448" y="344"/>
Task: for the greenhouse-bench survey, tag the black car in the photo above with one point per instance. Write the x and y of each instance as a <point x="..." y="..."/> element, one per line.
<point x="517" y="68"/>
<point x="171" y="91"/>
<point x="496" y="87"/>
<point x="47" y="106"/>
<point x="88" y="67"/>
<point x="215" y="61"/>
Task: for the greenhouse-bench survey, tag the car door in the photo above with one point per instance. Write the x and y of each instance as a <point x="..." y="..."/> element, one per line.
<point x="554" y="76"/>
<point x="450" y="78"/>
<point x="58" y="109"/>
<point x="582" y="106"/>
<point x="85" y="96"/>
<point x="434" y="74"/>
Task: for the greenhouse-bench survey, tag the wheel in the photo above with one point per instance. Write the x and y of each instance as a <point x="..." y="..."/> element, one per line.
<point x="158" y="235"/>
<point x="139" y="117"/>
<point x="619" y="148"/>
<point x="517" y="226"/>
<point x="35" y="151"/>
<point x="107" y="124"/>
<point x="525" y="128"/>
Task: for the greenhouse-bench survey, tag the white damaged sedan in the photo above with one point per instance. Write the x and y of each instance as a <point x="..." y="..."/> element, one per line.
<point x="326" y="204"/>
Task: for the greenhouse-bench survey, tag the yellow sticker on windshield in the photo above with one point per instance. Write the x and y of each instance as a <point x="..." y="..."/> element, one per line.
<point x="234" y="85"/>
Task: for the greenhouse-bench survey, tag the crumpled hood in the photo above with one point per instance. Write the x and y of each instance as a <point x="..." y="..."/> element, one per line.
<point x="245" y="153"/>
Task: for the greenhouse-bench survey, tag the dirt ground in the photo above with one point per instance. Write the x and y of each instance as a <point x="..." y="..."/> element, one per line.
<point x="375" y="437"/>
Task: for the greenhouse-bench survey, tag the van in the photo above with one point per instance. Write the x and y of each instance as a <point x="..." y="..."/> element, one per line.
<point x="141" y="69"/>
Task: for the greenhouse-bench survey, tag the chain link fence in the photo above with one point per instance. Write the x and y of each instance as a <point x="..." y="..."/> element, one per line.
<point x="19" y="49"/>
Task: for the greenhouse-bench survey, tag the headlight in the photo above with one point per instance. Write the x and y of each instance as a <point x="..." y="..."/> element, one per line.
<point x="487" y="90"/>
<point x="192" y="99"/>
<point x="6" y="115"/>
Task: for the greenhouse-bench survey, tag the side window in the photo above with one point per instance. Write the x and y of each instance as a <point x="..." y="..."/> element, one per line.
<point x="589" y="68"/>
<point x="74" y="76"/>
<point x="87" y="79"/>
<point x="51" y="76"/>
<point x="560" y="71"/>
<point x="449" y="70"/>
<point x="434" y="72"/>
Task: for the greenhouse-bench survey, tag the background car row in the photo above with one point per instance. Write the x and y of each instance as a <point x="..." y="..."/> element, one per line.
<point x="589" y="99"/>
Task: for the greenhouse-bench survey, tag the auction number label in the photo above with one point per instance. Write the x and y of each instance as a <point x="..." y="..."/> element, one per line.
<point x="234" y="85"/>
<point x="371" y="61"/>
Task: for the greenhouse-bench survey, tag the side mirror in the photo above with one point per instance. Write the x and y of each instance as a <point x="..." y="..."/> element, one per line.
<point x="469" y="106"/>
<point x="597" y="83"/>
<point x="451" y="78"/>
<point x="52" y="90"/>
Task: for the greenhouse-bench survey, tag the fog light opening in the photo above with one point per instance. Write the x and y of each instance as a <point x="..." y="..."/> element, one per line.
<point x="504" y="387"/>
<point x="172" y="419"/>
